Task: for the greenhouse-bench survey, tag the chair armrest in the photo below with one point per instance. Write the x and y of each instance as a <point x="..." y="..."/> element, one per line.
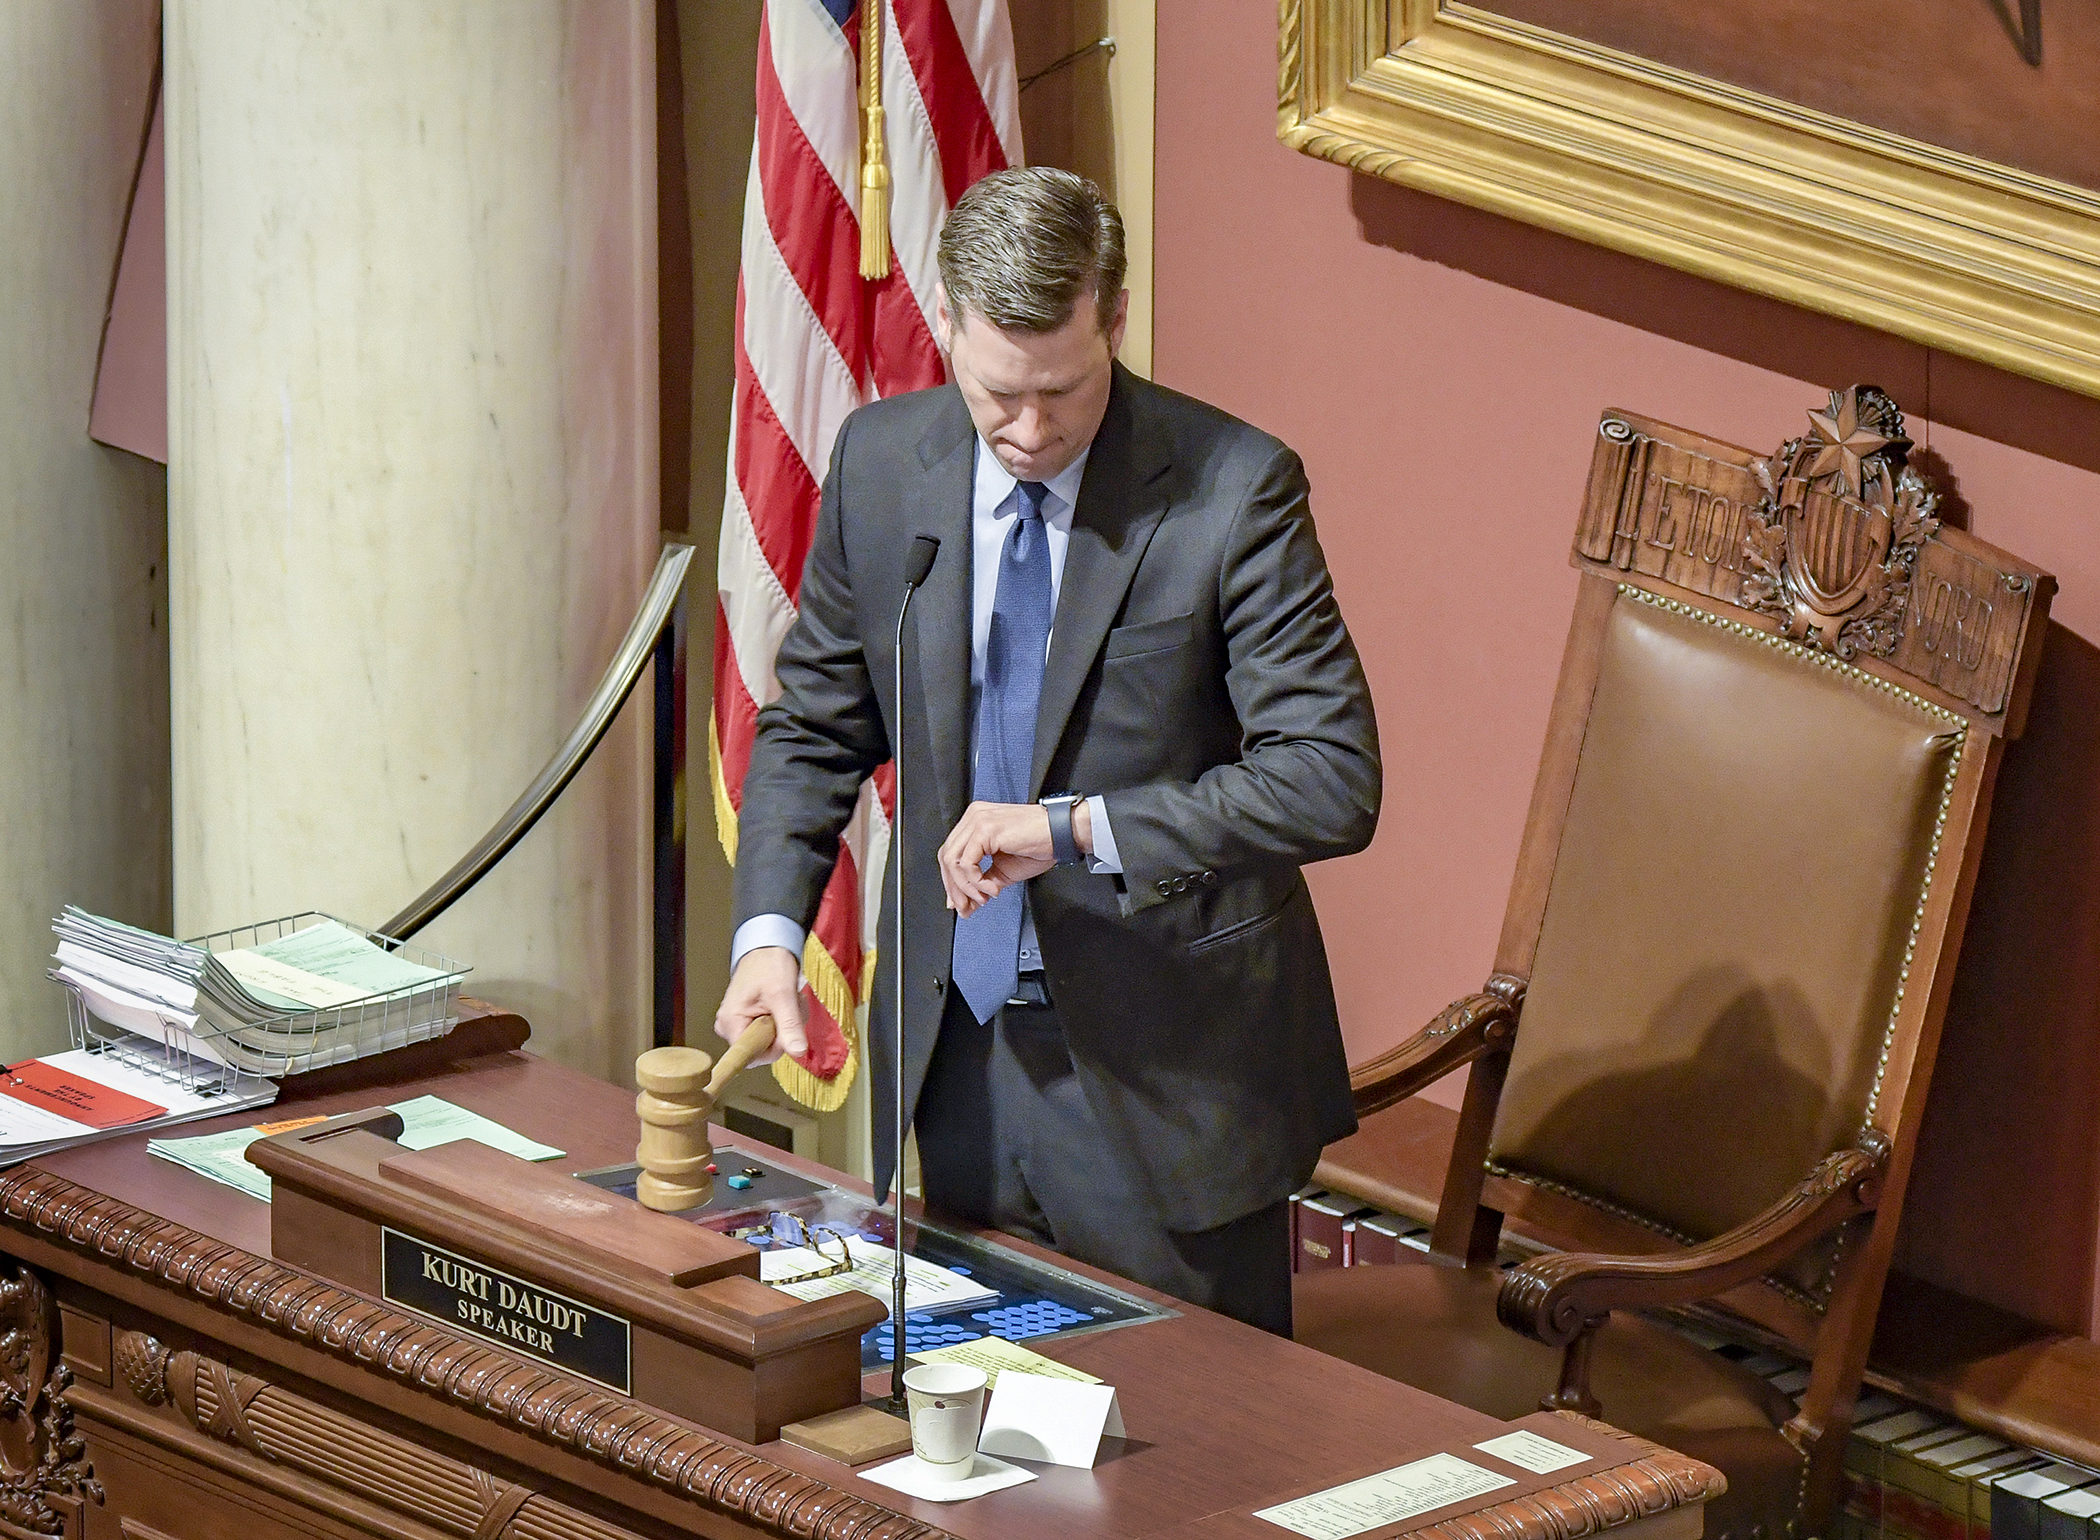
<point x="1556" y="1299"/>
<point x="1461" y="1033"/>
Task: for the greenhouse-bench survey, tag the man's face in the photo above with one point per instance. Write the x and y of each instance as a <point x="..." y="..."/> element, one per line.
<point x="1037" y="397"/>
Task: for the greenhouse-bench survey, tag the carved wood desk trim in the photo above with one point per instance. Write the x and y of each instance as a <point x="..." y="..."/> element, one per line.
<point x="548" y="1407"/>
<point x="138" y="1371"/>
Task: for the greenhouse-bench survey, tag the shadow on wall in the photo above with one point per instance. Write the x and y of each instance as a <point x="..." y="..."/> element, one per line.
<point x="1764" y="333"/>
<point x="2006" y="1158"/>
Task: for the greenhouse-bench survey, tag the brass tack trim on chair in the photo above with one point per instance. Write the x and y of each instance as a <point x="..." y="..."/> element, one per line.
<point x="1917" y="919"/>
<point x="1807" y="1300"/>
<point x="1792" y="649"/>
<point x="1602" y="1205"/>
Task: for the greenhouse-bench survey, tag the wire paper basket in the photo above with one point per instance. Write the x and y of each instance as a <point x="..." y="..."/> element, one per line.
<point x="206" y="1057"/>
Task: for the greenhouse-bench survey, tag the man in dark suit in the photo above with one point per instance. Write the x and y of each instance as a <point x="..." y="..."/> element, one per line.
<point x="1131" y="713"/>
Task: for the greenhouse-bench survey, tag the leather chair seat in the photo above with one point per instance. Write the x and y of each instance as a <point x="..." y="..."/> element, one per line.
<point x="1435" y="1328"/>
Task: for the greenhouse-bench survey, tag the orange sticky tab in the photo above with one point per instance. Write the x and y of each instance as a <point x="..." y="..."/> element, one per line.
<point x="286" y="1125"/>
<point x="70" y="1096"/>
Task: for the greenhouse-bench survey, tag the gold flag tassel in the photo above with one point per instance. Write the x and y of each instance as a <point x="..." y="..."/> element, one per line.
<point x="874" y="163"/>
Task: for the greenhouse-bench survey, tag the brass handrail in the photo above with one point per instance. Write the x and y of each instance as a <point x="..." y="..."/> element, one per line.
<point x="658" y="611"/>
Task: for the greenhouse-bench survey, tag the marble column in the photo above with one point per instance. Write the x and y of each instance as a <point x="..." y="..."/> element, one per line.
<point x="83" y="528"/>
<point x="412" y="478"/>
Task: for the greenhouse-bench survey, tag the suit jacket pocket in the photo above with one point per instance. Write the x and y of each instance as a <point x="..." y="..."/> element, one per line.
<point x="1149" y="636"/>
<point x="1241" y="930"/>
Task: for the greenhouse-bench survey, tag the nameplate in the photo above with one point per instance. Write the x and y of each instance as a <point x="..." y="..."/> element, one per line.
<point x="508" y="1312"/>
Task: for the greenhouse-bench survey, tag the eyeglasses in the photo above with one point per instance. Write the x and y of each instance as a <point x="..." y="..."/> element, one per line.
<point x="791" y="1229"/>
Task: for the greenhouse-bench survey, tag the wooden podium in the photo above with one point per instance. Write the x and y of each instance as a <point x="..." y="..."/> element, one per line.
<point x="565" y="1273"/>
<point x="183" y="1362"/>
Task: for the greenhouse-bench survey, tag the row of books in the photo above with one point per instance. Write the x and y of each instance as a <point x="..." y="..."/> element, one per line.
<point x="1328" y="1230"/>
<point x="1910" y="1473"/>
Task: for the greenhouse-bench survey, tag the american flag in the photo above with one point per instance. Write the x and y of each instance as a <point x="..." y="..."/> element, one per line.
<point x="815" y="340"/>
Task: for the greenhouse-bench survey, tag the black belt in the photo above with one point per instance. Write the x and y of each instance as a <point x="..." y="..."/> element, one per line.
<point x="1031" y="989"/>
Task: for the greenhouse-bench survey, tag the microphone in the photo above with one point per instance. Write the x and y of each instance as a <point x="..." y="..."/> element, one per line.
<point x="923" y="551"/>
<point x="919" y="563"/>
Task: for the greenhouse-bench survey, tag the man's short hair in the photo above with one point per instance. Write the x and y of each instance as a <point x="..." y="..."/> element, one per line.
<point x="1022" y="247"/>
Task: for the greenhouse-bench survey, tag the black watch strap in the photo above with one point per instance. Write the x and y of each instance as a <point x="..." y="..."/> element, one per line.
<point x="1064" y="849"/>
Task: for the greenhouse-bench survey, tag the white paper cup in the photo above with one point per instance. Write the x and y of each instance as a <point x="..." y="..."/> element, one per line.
<point x="947" y="1404"/>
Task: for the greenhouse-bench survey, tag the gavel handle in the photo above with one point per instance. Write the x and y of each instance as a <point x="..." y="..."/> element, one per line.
<point x="755" y="1040"/>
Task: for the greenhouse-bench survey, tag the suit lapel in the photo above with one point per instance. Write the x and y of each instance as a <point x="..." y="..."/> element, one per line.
<point x="940" y="618"/>
<point x="1121" y="500"/>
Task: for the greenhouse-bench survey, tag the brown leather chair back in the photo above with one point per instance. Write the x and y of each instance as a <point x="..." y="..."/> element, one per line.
<point x="1749" y="844"/>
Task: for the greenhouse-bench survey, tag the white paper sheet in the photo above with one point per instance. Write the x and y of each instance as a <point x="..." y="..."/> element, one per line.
<point x="1532" y="1451"/>
<point x="995" y="1355"/>
<point x="926" y="1287"/>
<point x="909" y="1476"/>
<point x="1386" y="1498"/>
<point x="1035" y="1417"/>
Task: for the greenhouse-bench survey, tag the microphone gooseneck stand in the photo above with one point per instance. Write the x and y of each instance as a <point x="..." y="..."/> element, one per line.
<point x="923" y="550"/>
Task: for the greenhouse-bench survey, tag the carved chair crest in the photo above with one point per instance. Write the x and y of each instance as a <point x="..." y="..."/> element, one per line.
<point x="1836" y="537"/>
<point x="1832" y="547"/>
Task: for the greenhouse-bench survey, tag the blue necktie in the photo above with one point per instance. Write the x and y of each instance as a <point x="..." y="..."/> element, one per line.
<point x="988" y="943"/>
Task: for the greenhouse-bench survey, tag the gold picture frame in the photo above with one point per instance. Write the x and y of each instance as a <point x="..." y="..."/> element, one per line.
<point x="1943" y="248"/>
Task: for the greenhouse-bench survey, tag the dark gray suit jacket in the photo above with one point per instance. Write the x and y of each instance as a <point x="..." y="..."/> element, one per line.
<point x="1200" y="677"/>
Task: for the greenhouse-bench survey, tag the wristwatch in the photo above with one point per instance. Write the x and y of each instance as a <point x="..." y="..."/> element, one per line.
<point x="1064" y="849"/>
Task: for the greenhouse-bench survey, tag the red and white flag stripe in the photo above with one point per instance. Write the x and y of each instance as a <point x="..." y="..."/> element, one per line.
<point x="814" y="340"/>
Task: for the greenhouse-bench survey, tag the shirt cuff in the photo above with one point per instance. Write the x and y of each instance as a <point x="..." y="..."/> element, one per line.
<point x="766" y="930"/>
<point x="1104" y="858"/>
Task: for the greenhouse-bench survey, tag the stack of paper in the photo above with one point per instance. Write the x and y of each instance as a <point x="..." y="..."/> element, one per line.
<point x="926" y="1285"/>
<point x="313" y="996"/>
<point x="76" y="1098"/>
<point x="426" y="1121"/>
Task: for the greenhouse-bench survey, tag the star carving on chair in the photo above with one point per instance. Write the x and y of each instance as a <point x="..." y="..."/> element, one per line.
<point x="1837" y="568"/>
<point x="1840" y="441"/>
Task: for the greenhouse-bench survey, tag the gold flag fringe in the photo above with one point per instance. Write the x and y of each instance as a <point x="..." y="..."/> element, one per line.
<point x="725" y="810"/>
<point x="874" y="160"/>
<point x="827" y="981"/>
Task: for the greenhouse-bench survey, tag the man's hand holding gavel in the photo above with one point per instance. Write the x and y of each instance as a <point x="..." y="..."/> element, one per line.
<point x="767" y="982"/>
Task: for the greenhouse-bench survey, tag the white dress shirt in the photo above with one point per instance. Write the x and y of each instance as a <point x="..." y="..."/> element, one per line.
<point x="994" y="505"/>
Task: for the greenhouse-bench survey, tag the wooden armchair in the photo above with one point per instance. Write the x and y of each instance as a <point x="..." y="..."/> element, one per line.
<point x="1700" y="1063"/>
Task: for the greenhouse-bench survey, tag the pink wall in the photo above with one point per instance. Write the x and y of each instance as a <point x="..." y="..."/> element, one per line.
<point x="1442" y="371"/>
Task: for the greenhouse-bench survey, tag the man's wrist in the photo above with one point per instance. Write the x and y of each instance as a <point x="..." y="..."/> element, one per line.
<point x="763" y="930"/>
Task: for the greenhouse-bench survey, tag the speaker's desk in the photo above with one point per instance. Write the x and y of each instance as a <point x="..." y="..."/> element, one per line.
<point x="145" y="1331"/>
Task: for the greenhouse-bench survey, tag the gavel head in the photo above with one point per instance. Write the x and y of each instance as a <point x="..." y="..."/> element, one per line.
<point x="674" y="1106"/>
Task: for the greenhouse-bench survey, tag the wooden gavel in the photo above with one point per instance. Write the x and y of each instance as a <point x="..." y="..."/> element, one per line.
<point x="677" y="1100"/>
